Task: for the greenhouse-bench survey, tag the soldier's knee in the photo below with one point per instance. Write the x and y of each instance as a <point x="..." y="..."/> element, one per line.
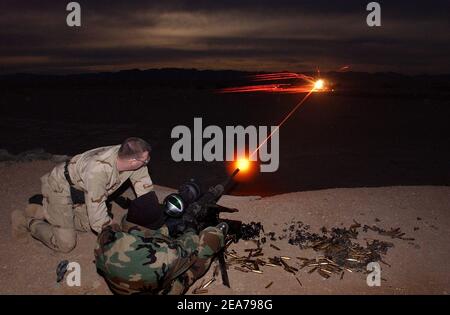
<point x="35" y="211"/>
<point x="212" y="234"/>
<point x="65" y="239"/>
<point x="67" y="246"/>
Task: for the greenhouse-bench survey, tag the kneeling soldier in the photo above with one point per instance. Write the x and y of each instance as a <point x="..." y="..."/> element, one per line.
<point x="75" y="193"/>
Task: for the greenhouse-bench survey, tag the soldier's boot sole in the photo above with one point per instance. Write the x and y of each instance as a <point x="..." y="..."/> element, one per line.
<point x="19" y="226"/>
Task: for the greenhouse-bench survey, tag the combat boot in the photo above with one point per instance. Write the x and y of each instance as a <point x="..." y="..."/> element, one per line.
<point x="35" y="211"/>
<point x="19" y="226"/>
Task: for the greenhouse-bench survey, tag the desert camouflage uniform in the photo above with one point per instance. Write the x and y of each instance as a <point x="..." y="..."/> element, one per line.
<point x="93" y="172"/>
<point x="136" y="260"/>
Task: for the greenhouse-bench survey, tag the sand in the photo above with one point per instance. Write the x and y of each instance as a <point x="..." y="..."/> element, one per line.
<point x="418" y="267"/>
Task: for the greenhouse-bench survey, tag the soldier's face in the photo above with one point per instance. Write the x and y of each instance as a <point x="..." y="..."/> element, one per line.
<point x="137" y="163"/>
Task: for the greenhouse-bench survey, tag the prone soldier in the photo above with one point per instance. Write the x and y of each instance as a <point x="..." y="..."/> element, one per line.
<point x="141" y="256"/>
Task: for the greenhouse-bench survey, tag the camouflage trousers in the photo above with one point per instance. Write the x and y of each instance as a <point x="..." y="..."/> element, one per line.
<point x="211" y="241"/>
<point x="139" y="263"/>
<point x="61" y="219"/>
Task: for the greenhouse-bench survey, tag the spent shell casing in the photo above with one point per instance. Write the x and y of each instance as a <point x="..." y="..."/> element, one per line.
<point x="288" y="268"/>
<point x="207" y="284"/>
<point x="256" y="271"/>
<point x="200" y="285"/>
<point x="273" y="246"/>
<point x="302" y="258"/>
<point x="200" y="291"/>
<point x="229" y="242"/>
<point x="274" y="261"/>
<point x="323" y="274"/>
<point x="327" y="271"/>
<point x="332" y="268"/>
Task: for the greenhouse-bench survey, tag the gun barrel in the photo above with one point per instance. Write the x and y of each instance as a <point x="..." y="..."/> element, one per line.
<point x="235" y="172"/>
<point x="230" y="178"/>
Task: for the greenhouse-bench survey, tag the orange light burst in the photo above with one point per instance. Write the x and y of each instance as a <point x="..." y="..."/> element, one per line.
<point x="319" y="84"/>
<point x="243" y="164"/>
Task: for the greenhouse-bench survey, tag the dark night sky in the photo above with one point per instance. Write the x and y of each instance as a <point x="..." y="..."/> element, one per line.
<point x="242" y="35"/>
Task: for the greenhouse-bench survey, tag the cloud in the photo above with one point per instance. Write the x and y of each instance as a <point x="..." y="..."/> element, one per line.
<point x="250" y="35"/>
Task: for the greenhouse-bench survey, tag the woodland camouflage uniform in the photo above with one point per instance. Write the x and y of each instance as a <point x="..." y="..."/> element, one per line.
<point x="134" y="259"/>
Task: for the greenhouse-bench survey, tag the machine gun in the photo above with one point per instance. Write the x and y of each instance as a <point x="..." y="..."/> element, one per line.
<point x="190" y="208"/>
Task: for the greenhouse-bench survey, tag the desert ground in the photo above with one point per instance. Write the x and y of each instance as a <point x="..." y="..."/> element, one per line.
<point x="416" y="267"/>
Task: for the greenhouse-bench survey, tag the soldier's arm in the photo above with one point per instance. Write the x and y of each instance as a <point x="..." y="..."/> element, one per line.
<point x="141" y="181"/>
<point x="96" y="195"/>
